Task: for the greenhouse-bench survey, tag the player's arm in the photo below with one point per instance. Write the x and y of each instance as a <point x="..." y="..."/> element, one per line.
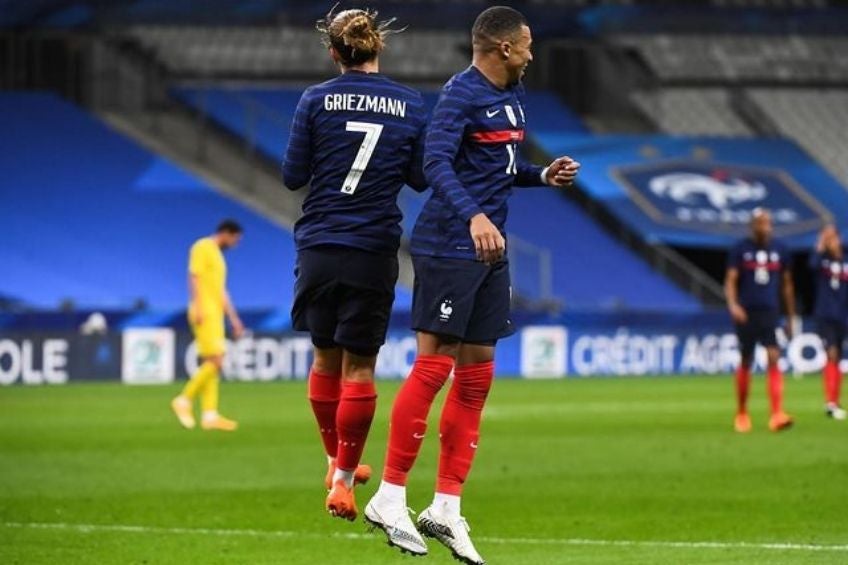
<point x="441" y="144"/>
<point x="788" y="290"/>
<point x="194" y="295"/>
<point x="195" y="269"/>
<point x="232" y="315"/>
<point x="297" y="163"/>
<point x="415" y="170"/>
<point x="561" y="172"/>
<point x="731" y="295"/>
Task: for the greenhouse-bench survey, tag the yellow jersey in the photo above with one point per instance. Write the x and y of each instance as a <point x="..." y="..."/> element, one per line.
<point x="206" y="262"/>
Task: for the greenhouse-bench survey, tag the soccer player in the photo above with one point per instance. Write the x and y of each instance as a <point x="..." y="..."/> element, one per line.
<point x="209" y="302"/>
<point x="359" y="138"/>
<point x="758" y="275"/>
<point x="462" y="289"/>
<point x="830" y="266"/>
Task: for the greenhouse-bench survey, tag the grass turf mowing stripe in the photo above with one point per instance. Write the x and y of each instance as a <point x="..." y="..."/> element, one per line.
<point x="126" y="528"/>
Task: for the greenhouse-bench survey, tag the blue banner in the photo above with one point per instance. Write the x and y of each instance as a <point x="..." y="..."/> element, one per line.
<point x="571" y="345"/>
<point x="700" y="192"/>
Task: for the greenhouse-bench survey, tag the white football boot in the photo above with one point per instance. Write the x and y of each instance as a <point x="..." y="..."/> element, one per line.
<point x="450" y="531"/>
<point x="394" y="520"/>
<point x="835" y="411"/>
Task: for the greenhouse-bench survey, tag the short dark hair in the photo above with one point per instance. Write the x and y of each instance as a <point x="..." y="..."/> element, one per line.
<point x="496" y="24"/>
<point x="229" y="226"/>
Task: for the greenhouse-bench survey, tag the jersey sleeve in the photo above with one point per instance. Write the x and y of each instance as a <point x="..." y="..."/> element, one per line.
<point x="786" y="258"/>
<point x="528" y="173"/>
<point x="415" y="172"/>
<point x="197" y="258"/>
<point x="734" y="258"/>
<point x="297" y="163"/>
<point x="442" y="141"/>
<point x="815" y="261"/>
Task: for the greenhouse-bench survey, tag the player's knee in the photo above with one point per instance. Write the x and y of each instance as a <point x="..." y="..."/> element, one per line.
<point x="327" y="360"/>
<point x="216" y="360"/>
<point x="773" y="357"/>
<point x="435" y="344"/>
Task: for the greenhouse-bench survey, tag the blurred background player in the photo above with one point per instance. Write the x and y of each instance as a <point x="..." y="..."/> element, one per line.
<point x="831" y="311"/>
<point x="358" y="137"/>
<point x="209" y="302"/>
<point x="461" y="296"/>
<point x="758" y="274"/>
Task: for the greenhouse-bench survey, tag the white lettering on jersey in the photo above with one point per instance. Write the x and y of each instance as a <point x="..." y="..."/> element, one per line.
<point x="365" y="103"/>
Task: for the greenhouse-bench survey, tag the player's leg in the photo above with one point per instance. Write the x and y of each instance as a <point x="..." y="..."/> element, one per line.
<point x="747" y="343"/>
<point x="324" y="388"/>
<point x="210" y="343"/>
<point x="832" y="335"/>
<point x="442" y="304"/>
<point x="387" y="509"/>
<point x="459" y="426"/>
<point x="366" y="283"/>
<point x="767" y="335"/>
<point x="355" y="413"/>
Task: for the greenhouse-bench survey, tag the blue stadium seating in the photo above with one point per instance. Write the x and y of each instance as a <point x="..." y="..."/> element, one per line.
<point x="92" y="216"/>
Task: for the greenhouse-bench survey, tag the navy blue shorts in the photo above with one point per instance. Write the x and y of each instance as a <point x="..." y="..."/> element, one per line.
<point x="831" y="332"/>
<point x="466" y="300"/>
<point x="761" y="328"/>
<point x="343" y="297"/>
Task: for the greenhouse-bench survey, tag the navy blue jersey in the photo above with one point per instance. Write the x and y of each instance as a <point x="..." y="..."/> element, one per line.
<point x="358" y="138"/>
<point x="761" y="269"/>
<point x="831" y="286"/>
<point x="471" y="161"/>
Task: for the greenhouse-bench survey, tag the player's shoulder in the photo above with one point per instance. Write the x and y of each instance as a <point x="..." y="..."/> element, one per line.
<point x="402" y="89"/>
<point x="779" y="246"/>
<point x="203" y="244"/>
<point x="742" y="244"/>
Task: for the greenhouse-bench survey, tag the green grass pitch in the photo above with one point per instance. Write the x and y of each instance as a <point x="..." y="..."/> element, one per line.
<point x="575" y="471"/>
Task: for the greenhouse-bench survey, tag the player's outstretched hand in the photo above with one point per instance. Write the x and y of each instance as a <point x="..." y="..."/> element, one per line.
<point x="739" y="315"/>
<point x="488" y="241"/>
<point x="562" y="171"/>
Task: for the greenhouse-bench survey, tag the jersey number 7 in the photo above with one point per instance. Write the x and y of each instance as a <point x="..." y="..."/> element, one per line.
<point x="363" y="156"/>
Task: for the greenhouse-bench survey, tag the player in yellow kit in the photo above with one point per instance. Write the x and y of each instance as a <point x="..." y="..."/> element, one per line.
<point x="209" y="302"/>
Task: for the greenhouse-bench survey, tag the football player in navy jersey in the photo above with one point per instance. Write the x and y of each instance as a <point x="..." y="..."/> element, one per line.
<point x="461" y="296"/>
<point x="759" y="275"/>
<point x="830" y="266"/>
<point x="357" y="139"/>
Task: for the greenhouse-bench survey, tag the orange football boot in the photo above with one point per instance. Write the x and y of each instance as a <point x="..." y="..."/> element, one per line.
<point x="742" y="423"/>
<point x="341" y="502"/>
<point x="780" y="421"/>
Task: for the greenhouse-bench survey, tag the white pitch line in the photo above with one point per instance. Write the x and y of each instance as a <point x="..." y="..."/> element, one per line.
<point x="122" y="528"/>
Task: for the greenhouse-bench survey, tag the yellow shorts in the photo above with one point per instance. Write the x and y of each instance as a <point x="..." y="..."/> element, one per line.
<point x="210" y="336"/>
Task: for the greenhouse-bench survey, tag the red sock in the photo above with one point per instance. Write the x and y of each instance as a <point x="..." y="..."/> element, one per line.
<point x="832" y="381"/>
<point x="775" y="386"/>
<point x="324" y="394"/>
<point x="460" y="424"/>
<point x="743" y="383"/>
<point x="409" y="414"/>
<point x="353" y="422"/>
